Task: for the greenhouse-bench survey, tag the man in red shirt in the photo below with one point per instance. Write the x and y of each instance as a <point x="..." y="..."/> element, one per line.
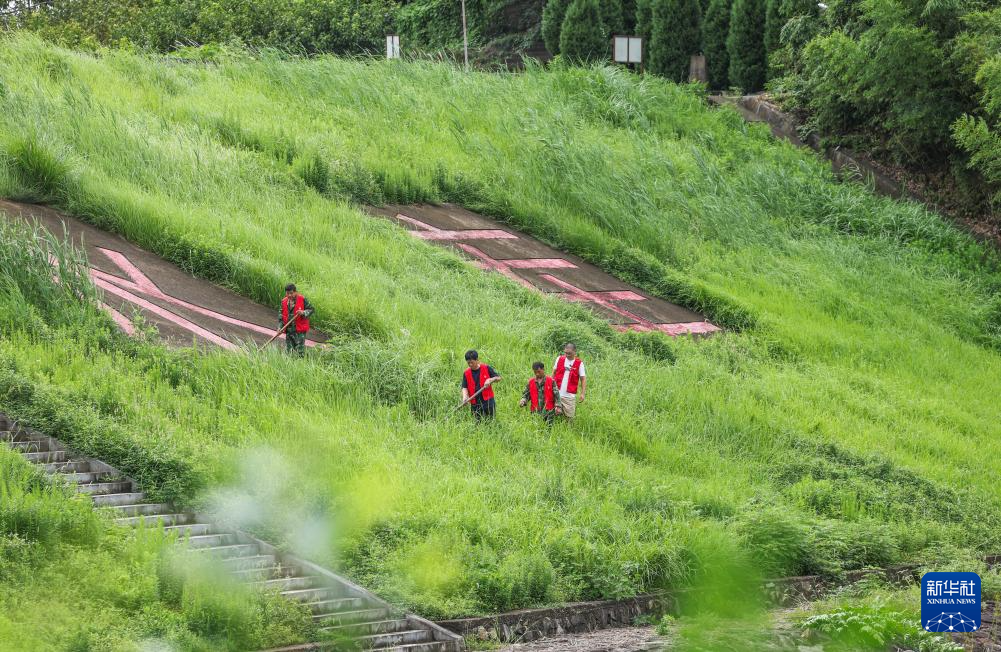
<point x="476" y="377"/>
<point x="295" y="307"/>
<point x="540" y="394"/>
<point x="568" y="372"/>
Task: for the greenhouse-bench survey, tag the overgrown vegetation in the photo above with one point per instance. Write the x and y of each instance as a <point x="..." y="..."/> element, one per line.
<point x="332" y="26"/>
<point x="908" y="81"/>
<point x="69" y="578"/>
<point x="834" y="426"/>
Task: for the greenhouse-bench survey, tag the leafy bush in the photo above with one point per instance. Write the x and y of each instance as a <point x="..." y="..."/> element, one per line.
<point x="584" y="35"/>
<point x="715" y="28"/>
<point x="875" y="627"/>
<point x="745" y="45"/>
<point x="552" y="23"/>
<point x="674" y="37"/>
<point x="773" y="24"/>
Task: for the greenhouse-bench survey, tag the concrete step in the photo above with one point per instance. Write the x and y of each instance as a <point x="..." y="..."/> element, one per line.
<point x="114" y="500"/>
<point x="35" y="445"/>
<point x="154" y="520"/>
<point x="431" y="646"/>
<point x="142" y="509"/>
<point x="210" y="540"/>
<point x="85" y="478"/>
<point x="395" y="639"/>
<point x="261" y="573"/>
<point x="20" y="436"/>
<point x="98" y="488"/>
<point x="190" y="529"/>
<point x="285" y="584"/>
<point x="344" y="611"/>
<point x="81" y="466"/>
<point x="46" y="457"/>
<point x="369" y="628"/>
<point x="237" y="564"/>
<point x="317" y="594"/>
<point x="230" y="550"/>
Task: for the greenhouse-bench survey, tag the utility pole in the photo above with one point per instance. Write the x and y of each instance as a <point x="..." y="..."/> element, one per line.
<point x="465" y="39"/>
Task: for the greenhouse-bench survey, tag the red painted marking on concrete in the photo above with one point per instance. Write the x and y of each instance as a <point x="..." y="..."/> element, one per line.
<point x="615" y="295"/>
<point x="139" y="282"/>
<point x="470" y="234"/>
<point x="595" y="297"/>
<point x="426" y="231"/>
<point x="421" y="226"/>
<point x="120" y="319"/>
<point x="689" y="327"/>
<point x="539" y="263"/>
<point x="486" y="262"/>
<point x="111" y="288"/>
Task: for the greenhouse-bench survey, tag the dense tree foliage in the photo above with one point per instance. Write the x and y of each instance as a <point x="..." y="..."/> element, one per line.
<point x="745" y="45"/>
<point x="552" y="23"/>
<point x="674" y="37"/>
<point x="584" y="36"/>
<point x="912" y="81"/>
<point x="715" y="27"/>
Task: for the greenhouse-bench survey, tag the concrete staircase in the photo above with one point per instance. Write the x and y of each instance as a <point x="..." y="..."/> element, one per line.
<point x="344" y="612"/>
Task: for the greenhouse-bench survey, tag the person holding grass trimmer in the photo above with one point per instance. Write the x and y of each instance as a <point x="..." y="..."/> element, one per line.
<point x="294" y="320"/>
<point x="540" y="395"/>
<point x="476" y="387"/>
<point x="568" y="372"/>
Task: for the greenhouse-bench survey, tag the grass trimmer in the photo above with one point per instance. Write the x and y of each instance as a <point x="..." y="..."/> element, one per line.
<point x="461" y="405"/>
<point x="280" y="331"/>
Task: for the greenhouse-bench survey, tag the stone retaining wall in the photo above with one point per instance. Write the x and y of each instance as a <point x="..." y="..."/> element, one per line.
<point x="845" y="162"/>
<point x="577" y="617"/>
<point x="532" y="624"/>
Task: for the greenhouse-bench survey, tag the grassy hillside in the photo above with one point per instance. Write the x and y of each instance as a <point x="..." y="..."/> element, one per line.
<point x="848" y="418"/>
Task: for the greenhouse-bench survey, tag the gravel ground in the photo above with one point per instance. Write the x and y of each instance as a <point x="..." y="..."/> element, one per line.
<point x="623" y="639"/>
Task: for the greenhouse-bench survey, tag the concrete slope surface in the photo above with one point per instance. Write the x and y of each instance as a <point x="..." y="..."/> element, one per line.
<point x="529" y="262"/>
<point x="184" y="309"/>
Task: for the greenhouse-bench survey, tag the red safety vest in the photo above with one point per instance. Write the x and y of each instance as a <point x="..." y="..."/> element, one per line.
<point x="548" y="393"/>
<point x="574" y="373"/>
<point x="488" y="393"/>
<point x="301" y="323"/>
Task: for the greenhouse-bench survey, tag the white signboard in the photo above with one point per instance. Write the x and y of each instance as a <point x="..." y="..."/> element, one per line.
<point x="627" y="49"/>
<point x="392" y="46"/>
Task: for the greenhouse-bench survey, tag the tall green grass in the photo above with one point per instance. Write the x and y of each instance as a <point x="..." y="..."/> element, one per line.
<point x="848" y="419"/>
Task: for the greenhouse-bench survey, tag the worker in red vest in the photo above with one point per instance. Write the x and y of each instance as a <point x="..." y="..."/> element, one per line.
<point x="568" y="372"/>
<point x="479" y="377"/>
<point x="540" y="395"/>
<point x="295" y="308"/>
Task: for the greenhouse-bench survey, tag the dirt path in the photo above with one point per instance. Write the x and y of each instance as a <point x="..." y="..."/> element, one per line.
<point x="183" y="308"/>
<point x="527" y="261"/>
<point x="623" y="639"/>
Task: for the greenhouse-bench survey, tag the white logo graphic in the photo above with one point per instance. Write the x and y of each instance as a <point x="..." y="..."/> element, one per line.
<point x="950" y="622"/>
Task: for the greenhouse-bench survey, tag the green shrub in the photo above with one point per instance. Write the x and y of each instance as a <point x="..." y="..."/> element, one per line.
<point x="644" y="21"/>
<point x="584" y="35"/>
<point x="612" y="17"/>
<point x="674" y="37"/>
<point x="552" y="23"/>
<point x="715" y="28"/>
<point x="773" y="25"/>
<point x="745" y="45"/>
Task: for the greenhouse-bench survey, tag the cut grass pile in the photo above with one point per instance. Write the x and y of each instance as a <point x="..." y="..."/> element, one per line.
<point x="849" y="417"/>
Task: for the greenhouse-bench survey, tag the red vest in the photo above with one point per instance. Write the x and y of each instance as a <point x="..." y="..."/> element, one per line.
<point x="301" y="323"/>
<point x="574" y="373"/>
<point x="548" y="394"/>
<point x="488" y="393"/>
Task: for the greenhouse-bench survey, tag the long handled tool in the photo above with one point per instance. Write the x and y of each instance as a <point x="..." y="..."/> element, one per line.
<point x="282" y="330"/>
<point x="460" y="405"/>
